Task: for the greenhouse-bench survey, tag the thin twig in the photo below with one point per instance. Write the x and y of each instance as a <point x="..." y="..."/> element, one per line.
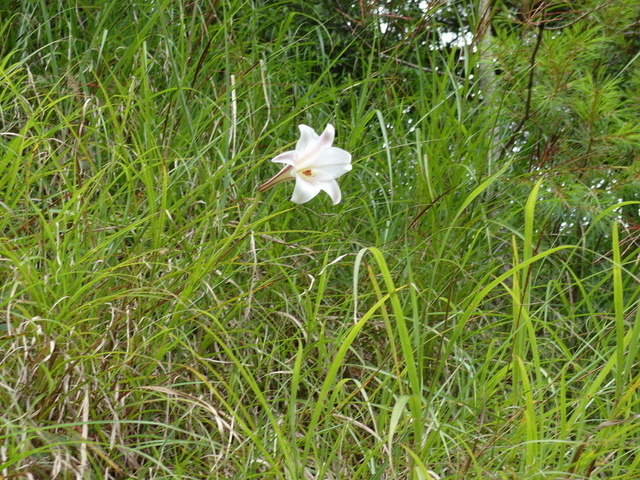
<point x="414" y="65"/>
<point x="425" y="209"/>
<point x="527" y="105"/>
<point x="606" y="4"/>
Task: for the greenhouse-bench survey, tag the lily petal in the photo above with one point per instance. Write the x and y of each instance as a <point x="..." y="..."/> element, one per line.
<point x="286" y="157"/>
<point x="329" y="164"/>
<point x="304" y="191"/>
<point x="326" y="173"/>
<point x="333" y="155"/>
<point x="326" y="138"/>
<point x="307" y="138"/>
<point x="328" y="156"/>
<point x="308" y="156"/>
<point x="333" y="189"/>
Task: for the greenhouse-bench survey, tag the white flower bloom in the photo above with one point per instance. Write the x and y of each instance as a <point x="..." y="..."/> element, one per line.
<point x="314" y="165"/>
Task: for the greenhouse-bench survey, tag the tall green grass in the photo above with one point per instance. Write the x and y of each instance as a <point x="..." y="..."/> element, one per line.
<point x="162" y="320"/>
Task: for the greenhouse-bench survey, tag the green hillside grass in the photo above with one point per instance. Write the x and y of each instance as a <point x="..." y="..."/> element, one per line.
<point x="161" y="319"/>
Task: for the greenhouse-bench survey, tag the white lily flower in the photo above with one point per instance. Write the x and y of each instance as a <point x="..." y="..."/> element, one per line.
<point x="314" y="165"/>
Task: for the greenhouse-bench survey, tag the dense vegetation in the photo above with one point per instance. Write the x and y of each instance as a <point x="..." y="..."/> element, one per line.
<point x="469" y="310"/>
